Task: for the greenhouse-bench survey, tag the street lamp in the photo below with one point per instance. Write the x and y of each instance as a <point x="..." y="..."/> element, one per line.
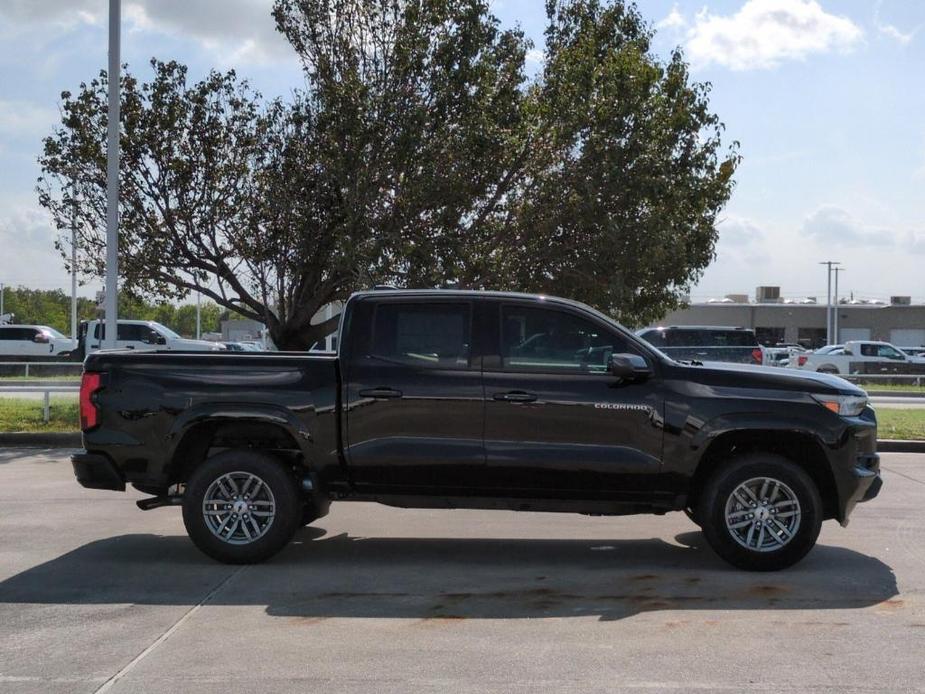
<point x="112" y="178"/>
<point x="835" y="315"/>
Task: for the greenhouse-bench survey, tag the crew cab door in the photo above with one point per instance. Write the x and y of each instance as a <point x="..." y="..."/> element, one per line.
<point x="413" y="396"/>
<point x="556" y="421"/>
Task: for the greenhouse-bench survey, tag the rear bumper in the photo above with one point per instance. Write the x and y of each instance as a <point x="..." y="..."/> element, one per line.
<point x="96" y="471"/>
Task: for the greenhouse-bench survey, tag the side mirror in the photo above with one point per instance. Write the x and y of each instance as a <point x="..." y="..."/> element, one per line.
<point x="630" y="367"/>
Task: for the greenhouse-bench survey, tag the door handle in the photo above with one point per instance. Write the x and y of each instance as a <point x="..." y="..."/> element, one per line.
<point x="380" y="393"/>
<point x="515" y="396"/>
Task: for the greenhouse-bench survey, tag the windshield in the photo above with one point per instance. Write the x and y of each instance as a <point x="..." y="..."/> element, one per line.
<point x="52" y="332"/>
<point x="635" y="339"/>
<point x="164" y="330"/>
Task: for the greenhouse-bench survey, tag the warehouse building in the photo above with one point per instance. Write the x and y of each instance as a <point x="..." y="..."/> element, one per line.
<point x="803" y="321"/>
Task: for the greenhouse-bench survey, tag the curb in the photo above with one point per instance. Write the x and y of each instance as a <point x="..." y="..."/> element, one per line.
<point x="38" y="439"/>
<point x="900" y="446"/>
<point x="894" y="394"/>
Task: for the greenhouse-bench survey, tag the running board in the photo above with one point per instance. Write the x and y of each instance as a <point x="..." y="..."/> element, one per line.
<point x="158" y="501"/>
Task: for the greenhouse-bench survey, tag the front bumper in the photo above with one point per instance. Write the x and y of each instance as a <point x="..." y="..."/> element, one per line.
<point x="866" y="483"/>
<point x="96" y="471"/>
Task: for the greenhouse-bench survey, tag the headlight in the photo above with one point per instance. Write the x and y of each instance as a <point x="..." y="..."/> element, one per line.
<point x="846" y="405"/>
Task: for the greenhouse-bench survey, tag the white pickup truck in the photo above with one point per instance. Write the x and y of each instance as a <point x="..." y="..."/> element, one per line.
<point x="861" y="357"/>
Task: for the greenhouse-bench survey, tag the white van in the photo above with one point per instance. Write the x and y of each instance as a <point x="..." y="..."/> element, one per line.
<point x="33" y="341"/>
<point x="142" y="335"/>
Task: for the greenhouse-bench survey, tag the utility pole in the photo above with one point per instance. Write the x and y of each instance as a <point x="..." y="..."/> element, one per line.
<point x="73" y="259"/>
<point x="828" y="302"/>
<point x="1" y="298"/>
<point x="112" y="177"/>
<point x="198" y="315"/>
<point x="835" y="316"/>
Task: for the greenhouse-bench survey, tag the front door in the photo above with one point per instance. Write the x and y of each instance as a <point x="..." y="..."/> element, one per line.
<point x="556" y="421"/>
<point x="414" y="398"/>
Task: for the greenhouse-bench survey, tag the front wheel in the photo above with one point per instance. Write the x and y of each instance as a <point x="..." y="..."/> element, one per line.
<point x="761" y="512"/>
<point x="241" y="507"/>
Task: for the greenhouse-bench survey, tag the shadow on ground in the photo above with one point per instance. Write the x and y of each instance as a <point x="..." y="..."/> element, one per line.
<point x="444" y="578"/>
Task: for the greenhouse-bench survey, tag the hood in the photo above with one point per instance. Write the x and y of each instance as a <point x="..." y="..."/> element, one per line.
<point x="195" y="345"/>
<point x="775" y="377"/>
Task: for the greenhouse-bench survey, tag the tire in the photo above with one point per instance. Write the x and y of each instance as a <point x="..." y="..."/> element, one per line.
<point x="796" y="509"/>
<point x="260" y="525"/>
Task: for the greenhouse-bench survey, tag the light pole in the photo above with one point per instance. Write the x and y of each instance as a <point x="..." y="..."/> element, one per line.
<point x="828" y="301"/>
<point x="74" y="259"/>
<point x="835" y="315"/>
<point x="198" y="315"/>
<point x="112" y="178"/>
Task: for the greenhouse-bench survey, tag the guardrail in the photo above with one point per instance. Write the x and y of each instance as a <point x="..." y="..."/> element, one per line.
<point x="915" y="379"/>
<point x="26" y="364"/>
<point x="46" y="400"/>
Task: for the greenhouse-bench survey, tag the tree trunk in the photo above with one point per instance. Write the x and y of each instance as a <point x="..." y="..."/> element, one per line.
<point x="294" y="337"/>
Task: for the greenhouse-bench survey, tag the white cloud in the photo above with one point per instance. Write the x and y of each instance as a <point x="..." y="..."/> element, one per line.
<point x="891" y="31"/>
<point x="739" y="231"/>
<point x="674" y="20"/>
<point x="20" y="118"/>
<point x="834" y="226"/>
<point x="235" y="30"/>
<point x="764" y="33"/>
<point x="27" y="236"/>
<point x="535" y="57"/>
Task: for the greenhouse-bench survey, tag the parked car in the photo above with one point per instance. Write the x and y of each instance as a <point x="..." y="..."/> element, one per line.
<point x="800" y="359"/>
<point x="481" y="400"/>
<point x="140" y="335"/>
<point x="860" y="356"/>
<point x="706" y="343"/>
<point x="34" y="341"/>
<point x="913" y="352"/>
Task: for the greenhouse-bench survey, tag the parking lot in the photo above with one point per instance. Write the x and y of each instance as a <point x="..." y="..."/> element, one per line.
<point x="96" y="595"/>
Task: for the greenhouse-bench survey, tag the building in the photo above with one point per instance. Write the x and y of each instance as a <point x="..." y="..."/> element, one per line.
<point x="803" y="321"/>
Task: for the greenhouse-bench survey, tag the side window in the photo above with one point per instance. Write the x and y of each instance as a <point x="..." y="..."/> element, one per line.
<point x="131" y="332"/>
<point x="889" y="352"/>
<point x="96" y="331"/>
<point x="869" y="350"/>
<point x="7" y="334"/>
<point x="424" y="335"/>
<point x="538" y="339"/>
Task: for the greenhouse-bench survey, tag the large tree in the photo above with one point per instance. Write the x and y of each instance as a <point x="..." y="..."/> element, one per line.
<point x="418" y="154"/>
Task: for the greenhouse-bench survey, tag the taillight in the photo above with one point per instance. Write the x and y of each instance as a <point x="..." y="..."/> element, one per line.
<point x="757" y="355"/>
<point x="802" y="359"/>
<point x="89" y="414"/>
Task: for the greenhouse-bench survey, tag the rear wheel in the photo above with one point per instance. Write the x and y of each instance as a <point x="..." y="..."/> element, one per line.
<point x="761" y="512"/>
<point x="241" y="507"/>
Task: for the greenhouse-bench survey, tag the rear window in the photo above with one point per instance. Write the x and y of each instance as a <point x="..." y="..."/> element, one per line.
<point x="424" y="335"/>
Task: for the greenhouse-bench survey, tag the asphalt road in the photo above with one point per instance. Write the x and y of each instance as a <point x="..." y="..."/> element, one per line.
<point x="98" y="596"/>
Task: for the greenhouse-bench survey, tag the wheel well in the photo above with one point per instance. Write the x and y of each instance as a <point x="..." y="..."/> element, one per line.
<point x="800" y="448"/>
<point x="204" y="439"/>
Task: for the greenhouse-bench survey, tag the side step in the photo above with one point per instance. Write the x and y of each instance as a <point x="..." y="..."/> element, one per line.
<point x="158" y="501"/>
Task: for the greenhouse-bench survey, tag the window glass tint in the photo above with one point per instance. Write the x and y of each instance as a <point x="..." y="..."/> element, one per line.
<point x="429" y="335"/>
<point x="706" y="337"/>
<point x="127" y="332"/>
<point x="547" y="340"/>
<point x="8" y="334"/>
<point x="654" y="337"/>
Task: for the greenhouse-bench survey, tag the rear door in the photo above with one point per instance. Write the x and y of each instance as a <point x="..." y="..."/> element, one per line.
<point x="413" y="396"/>
<point x="557" y="423"/>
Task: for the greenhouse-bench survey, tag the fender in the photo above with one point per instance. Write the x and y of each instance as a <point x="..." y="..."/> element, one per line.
<point x="825" y="437"/>
<point x="243" y="412"/>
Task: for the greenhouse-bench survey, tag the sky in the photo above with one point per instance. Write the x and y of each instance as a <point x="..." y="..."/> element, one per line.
<point x="825" y="97"/>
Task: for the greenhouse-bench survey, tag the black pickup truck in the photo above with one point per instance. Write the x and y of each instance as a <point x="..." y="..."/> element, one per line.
<point x="455" y="399"/>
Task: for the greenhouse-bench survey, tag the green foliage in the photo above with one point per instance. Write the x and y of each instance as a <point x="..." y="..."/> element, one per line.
<point x="53" y="308"/>
<point x="419" y="154"/>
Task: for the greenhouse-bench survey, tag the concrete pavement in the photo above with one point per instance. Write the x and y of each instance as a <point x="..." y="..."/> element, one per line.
<point x="98" y="596"/>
